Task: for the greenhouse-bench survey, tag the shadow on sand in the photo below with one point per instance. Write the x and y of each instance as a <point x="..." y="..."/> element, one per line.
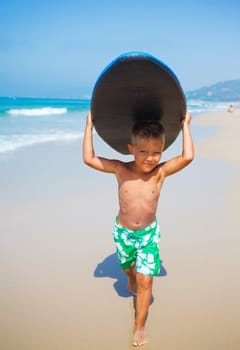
<point x="110" y="268"/>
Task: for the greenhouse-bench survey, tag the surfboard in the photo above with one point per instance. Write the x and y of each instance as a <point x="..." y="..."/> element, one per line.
<point x="136" y="86"/>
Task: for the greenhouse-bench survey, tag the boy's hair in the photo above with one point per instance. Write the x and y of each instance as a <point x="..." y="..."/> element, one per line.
<point x="147" y="130"/>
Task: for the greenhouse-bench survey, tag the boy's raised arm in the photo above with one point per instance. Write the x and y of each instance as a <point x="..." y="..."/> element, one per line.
<point x="173" y="165"/>
<point x="89" y="157"/>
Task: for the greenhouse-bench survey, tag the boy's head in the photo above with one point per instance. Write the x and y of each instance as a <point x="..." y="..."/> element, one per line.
<point x="147" y="130"/>
<point x="147" y="143"/>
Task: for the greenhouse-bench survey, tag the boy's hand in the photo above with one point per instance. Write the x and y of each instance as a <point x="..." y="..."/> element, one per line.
<point x="89" y="120"/>
<point x="187" y="119"/>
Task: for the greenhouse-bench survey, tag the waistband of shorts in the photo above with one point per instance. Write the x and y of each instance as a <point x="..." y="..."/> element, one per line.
<point x="152" y="226"/>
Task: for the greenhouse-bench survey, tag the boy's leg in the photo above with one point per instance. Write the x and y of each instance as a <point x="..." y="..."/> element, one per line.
<point x="132" y="285"/>
<point x="144" y="294"/>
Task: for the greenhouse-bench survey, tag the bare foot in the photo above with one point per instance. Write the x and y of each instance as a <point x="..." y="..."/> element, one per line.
<point x="139" y="337"/>
<point x="132" y="285"/>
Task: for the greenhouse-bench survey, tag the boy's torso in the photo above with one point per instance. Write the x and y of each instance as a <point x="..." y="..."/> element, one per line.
<point x="138" y="196"/>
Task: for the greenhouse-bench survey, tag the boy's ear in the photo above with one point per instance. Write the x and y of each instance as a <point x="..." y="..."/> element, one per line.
<point x="130" y="148"/>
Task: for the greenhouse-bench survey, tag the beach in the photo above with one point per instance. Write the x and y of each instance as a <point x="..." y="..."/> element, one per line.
<point x="61" y="287"/>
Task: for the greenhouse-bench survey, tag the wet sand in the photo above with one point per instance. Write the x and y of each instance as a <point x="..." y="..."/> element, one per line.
<point x="61" y="287"/>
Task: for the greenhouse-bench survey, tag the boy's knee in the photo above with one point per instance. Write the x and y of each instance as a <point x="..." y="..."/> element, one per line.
<point x="144" y="281"/>
<point x="131" y="271"/>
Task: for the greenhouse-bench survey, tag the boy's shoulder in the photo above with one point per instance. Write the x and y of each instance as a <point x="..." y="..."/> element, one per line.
<point x="125" y="165"/>
<point x="122" y="166"/>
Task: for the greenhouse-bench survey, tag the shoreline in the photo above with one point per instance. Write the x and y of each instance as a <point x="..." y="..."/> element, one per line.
<point x="227" y="126"/>
<point x="223" y="145"/>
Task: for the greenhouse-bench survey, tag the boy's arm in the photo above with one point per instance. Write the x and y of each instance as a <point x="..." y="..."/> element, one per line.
<point x="89" y="157"/>
<point x="173" y="165"/>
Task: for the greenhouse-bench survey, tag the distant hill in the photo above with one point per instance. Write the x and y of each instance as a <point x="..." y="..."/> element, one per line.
<point x="223" y="91"/>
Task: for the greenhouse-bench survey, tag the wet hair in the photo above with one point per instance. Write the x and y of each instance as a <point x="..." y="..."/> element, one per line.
<point x="147" y="130"/>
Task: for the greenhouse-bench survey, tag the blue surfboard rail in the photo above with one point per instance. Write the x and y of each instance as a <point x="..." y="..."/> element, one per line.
<point x="141" y="55"/>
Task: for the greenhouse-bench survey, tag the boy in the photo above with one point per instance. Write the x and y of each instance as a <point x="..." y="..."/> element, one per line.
<point x="136" y="231"/>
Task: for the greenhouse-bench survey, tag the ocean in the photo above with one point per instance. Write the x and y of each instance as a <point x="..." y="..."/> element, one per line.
<point x="25" y="122"/>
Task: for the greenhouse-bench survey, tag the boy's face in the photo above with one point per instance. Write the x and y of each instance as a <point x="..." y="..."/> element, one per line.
<point x="147" y="153"/>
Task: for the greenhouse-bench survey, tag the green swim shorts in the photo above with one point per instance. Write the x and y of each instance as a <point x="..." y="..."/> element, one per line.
<point x="140" y="247"/>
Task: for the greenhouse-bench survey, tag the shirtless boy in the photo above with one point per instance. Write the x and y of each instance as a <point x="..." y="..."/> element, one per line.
<point x="136" y="230"/>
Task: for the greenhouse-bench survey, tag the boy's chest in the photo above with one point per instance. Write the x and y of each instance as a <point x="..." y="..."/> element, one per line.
<point x="139" y="189"/>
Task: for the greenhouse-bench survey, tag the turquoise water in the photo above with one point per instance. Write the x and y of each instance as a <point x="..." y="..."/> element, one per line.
<point x="25" y="122"/>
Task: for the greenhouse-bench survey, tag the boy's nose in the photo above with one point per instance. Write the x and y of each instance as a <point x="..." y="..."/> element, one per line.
<point x="149" y="157"/>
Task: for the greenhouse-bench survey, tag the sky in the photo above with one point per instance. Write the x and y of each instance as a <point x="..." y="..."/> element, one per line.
<point x="59" y="48"/>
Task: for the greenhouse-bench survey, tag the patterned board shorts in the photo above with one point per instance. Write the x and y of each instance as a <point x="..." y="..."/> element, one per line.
<point x="140" y="247"/>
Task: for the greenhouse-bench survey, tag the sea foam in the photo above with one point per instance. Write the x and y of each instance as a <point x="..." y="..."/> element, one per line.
<point x="18" y="141"/>
<point x="38" y="111"/>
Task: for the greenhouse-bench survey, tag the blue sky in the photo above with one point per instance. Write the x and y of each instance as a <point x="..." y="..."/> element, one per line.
<point x="58" y="48"/>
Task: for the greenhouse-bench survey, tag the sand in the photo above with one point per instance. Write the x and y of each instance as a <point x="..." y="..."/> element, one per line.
<point x="61" y="287"/>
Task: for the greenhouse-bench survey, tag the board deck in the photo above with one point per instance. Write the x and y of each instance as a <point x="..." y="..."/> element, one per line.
<point x="136" y="86"/>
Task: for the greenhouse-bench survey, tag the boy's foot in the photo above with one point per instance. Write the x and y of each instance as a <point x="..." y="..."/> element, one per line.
<point x="139" y="337"/>
<point x="132" y="285"/>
